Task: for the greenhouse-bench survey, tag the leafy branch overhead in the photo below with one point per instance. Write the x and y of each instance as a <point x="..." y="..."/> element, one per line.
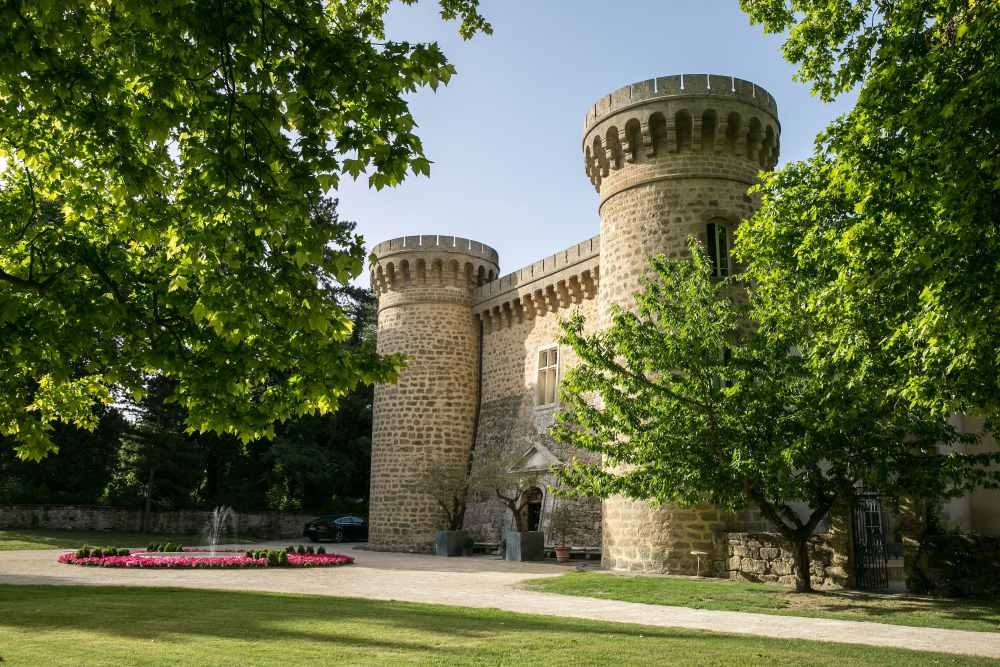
<point x="888" y="234"/>
<point x="164" y="170"/>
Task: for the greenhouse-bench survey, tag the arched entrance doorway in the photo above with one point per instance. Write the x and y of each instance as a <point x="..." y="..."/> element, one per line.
<point x="533" y="508"/>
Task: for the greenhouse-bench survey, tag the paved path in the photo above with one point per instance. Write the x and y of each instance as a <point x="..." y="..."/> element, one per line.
<point x="489" y="583"/>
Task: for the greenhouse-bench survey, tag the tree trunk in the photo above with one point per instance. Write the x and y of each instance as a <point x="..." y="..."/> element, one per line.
<point x="147" y="506"/>
<point x="803" y="582"/>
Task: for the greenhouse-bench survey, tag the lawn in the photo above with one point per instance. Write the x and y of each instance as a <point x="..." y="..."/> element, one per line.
<point x="11" y="540"/>
<point x="62" y="625"/>
<point x="979" y="615"/>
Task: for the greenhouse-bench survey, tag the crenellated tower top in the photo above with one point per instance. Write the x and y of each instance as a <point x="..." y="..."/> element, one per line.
<point x="432" y="261"/>
<point x="675" y="120"/>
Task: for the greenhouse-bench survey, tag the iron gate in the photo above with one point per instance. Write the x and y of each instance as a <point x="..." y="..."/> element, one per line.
<point x="868" y="532"/>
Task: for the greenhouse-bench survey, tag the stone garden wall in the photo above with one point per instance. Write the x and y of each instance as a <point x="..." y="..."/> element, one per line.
<point x="271" y="525"/>
<point x="768" y="558"/>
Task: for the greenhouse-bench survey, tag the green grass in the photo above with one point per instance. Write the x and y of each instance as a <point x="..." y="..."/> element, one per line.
<point x="11" y="540"/>
<point x="979" y="615"/>
<point x="63" y="625"/>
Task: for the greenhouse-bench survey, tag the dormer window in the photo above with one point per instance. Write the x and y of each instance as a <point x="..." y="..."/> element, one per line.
<point x="548" y="376"/>
<point x="717" y="239"/>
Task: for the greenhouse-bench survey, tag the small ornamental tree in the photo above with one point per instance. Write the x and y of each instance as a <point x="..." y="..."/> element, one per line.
<point x="497" y="473"/>
<point x="448" y="484"/>
<point x="689" y="403"/>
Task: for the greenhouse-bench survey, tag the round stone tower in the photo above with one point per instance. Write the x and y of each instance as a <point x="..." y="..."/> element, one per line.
<point x="671" y="158"/>
<point x="424" y="286"/>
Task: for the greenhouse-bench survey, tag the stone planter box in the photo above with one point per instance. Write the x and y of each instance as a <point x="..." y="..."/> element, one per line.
<point x="525" y="546"/>
<point x="450" y="542"/>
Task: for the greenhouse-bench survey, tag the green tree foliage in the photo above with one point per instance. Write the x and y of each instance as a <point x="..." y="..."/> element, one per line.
<point x="158" y="465"/>
<point x="314" y="463"/>
<point x="888" y="236"/>
<point x="689" y="403"/>
<point x="76" y="473"/>
<point x="163" y="168"/>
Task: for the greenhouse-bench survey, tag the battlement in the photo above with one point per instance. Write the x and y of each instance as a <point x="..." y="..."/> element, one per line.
<point x="431" y="242"/>
<point x="431" y="261"/>
<point x="680" y="85"/>
<point x="552" y="283"/>
<point x="689" y="125"/>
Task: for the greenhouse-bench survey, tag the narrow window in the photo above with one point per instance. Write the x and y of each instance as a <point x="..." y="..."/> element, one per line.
<point x="717" y="240"/>
<point x="548" y="376"/>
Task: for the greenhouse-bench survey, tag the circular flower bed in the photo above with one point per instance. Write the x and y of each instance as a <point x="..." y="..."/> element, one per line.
<point x="198" y="559"/>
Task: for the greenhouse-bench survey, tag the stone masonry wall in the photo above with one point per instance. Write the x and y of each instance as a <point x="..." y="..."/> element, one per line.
<point x="270" y="525"/>
<point x="426" y="417"/>
<point x="510" y="419"/>
<point x="424" y="422"/>
<point x="659" y="184"/>
<point x="768" y="558"/>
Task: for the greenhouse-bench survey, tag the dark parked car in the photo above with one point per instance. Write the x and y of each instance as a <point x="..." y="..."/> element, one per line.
<point x="338" y="528"/>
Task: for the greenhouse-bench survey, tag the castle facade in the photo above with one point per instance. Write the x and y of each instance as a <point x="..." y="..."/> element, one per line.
<point x="669" y="158"/>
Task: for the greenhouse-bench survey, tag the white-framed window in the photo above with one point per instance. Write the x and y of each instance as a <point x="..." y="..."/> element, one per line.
<point x="718" y="240"/>
<point x="548" y="376"/>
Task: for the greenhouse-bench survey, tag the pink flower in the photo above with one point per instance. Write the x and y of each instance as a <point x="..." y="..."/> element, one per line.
<point x="232" y="559"/>
<point x="318" y="560"/>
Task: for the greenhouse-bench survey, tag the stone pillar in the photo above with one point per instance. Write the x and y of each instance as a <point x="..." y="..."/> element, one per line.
<point x="651" y="206"/>
<point x="424" y="286"/>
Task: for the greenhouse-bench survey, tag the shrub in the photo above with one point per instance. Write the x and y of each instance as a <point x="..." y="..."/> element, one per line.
<point x="310" y="550"/>
<point x="320" y="550"/>
<point x="289" y="550"/>
<point x="956" y="565"/>
<point x="301" y="550"/>
<point x="124" y="551"/>
<point x="273" y="558"/>
<point x="283" y="558"/>
<point x="83" y="552"/>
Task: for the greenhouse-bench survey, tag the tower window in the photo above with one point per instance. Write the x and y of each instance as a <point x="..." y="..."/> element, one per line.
<point x="717" y="240"/>
<point x="548" y="376"/>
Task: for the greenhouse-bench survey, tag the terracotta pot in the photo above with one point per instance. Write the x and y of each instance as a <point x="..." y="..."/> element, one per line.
<point x="562" y="554"/>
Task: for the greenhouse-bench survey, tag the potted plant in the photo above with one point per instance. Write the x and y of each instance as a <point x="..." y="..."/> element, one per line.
<point x="448" y="485"/>
<point x="512" y="487"/>
<point x="560" y="524"/>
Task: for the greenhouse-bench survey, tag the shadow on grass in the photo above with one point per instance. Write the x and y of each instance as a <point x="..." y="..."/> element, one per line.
<point x="177" y="615"/>
<point x="114" y="625"/>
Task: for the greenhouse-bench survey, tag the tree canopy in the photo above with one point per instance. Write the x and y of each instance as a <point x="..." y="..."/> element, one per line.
<point x="318" y="463"/>
<point x="689" y="402"/>
<point x="164" y="170"/>
<point x="888" y="235"/>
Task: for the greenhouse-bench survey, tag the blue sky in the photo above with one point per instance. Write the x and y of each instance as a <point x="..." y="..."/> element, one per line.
<point x="504" y="136"/>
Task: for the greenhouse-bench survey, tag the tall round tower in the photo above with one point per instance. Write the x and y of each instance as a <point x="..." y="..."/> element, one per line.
<point x="671" y="158"/>
<point x="424" y="286"/>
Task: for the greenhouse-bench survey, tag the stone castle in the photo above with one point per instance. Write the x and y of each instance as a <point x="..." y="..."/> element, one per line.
<point x="670" y="158"/>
